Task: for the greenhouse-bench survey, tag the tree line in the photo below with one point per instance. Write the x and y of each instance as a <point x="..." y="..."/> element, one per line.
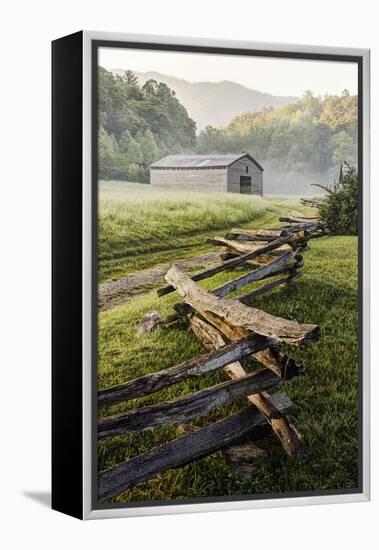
<point x="303" y="141"/>
<point x="138" y="125"/>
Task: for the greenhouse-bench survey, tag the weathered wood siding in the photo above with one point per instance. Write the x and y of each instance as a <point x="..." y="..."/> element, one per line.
<point x="238" y="169"/>
<point x="210" y="179"/>
<point x="214" y="179"/>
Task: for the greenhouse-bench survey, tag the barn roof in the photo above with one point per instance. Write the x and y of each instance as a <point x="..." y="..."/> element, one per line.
<point x="200" y="161"/>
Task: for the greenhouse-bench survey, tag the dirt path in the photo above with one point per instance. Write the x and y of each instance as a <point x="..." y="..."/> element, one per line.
<point x="121" y="291"/>
<point x="125" y="289"/>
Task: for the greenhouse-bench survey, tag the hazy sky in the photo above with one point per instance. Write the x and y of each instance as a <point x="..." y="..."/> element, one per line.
<point x="275" y="76"/>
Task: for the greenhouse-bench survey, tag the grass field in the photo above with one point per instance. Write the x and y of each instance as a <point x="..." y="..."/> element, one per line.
<point x="140" y="226"/>
<point x="325" y="398"/>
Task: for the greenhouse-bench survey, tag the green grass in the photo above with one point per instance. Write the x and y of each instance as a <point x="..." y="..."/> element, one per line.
<point x="141" y="226"/>
<point x="325" y="398"/>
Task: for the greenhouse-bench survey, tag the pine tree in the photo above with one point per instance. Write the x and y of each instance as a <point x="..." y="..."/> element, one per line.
<point x="339" y="210"/>
<point x="108" y="153"/>
<point x="340" y="178"/>
<point x="149" y="148"/>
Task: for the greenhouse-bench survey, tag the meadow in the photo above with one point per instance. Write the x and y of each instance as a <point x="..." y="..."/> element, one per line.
<point x="140" y="226"/>
<point x="139" y="230"/>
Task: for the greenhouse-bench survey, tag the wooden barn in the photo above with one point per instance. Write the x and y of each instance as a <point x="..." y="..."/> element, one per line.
<point x="227" y="173"/>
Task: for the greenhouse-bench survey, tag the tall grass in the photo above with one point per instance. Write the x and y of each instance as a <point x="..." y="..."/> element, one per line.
<point x="137" y="219"/>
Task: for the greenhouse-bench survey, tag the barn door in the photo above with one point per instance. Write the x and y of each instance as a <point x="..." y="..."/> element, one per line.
<point x="245" y="185"/>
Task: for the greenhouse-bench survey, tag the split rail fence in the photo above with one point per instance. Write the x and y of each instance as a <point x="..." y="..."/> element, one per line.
<point x="236" y="336"/>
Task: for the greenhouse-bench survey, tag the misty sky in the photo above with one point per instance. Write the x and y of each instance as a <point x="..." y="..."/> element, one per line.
<point x="275" y="76"/>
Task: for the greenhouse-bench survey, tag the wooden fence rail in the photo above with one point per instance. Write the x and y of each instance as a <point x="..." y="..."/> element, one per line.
<point x="156" y="381"/>
<point x="280" y="265"/>
<point x="231" y="312"/>
<point x="233" y="263"/>
<point x="183" y="450"/>
<point x="313" y="202"/>
<point x="185" y="408"/>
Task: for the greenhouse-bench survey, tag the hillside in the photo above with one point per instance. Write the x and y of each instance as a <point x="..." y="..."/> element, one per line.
<point x="299" y="144"/>
<point x="138" y="125"/>
<point x="213" y="103"/>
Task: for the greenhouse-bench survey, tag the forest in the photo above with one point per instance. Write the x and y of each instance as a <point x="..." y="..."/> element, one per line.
<point x="303" y="141"/>
<point x="138" y="125"/>
<point x="298" y="144"/>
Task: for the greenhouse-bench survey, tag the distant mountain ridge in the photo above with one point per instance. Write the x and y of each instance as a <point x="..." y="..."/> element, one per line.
<point x="214" y="103"/>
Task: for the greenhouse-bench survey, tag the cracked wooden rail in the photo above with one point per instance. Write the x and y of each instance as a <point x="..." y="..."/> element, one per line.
<point x="233" y="263"/>
<point x="243" y="318"/>
<point x="267" y="235"/>
<point x="209" y="362"/>
<point x="185" y="408"/>
<point x="287" y="264"/>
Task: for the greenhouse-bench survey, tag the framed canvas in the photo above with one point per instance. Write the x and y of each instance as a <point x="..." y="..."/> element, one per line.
<point x="210" y="275"/>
